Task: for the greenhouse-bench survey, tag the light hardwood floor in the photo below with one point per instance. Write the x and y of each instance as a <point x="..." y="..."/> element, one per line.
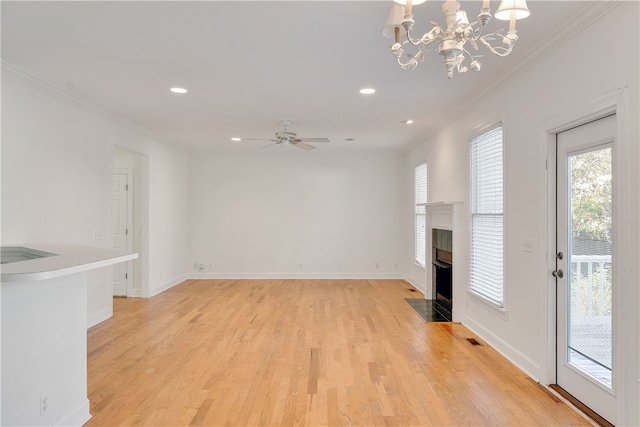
<point x="301" y="352"/>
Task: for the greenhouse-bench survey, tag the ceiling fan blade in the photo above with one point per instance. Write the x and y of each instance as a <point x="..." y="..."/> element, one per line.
<point x="259" y="139"/>
<point x="302" y="145"/>
<point x="312" y="140"/>
<point x="270" y="145"/>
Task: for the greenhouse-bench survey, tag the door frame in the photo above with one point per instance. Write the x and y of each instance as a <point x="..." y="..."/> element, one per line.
<point x="613" y="103"/>
<point x="130" y="224"/>
<point x="138" y="163"/>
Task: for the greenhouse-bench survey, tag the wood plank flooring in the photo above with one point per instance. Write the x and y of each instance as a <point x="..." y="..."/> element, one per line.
<point x="301" y="352"/>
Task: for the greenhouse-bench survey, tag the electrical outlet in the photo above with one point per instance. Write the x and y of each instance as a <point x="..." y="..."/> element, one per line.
<point x="97" y="235"/>
<point x="377" y="265"/>
<point x="44" y="404"/>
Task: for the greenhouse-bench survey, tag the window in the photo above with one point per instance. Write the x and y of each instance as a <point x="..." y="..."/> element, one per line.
<point x="486" y="272"/>
<point x="421" y="214"/>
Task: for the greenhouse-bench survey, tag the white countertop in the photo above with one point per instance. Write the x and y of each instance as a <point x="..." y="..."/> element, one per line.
<point x="68" y="259"/>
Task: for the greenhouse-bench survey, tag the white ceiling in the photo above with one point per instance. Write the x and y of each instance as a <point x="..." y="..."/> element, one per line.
<point x="249" y="65"/>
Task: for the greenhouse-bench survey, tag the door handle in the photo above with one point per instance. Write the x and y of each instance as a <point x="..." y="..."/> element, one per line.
<point x="559" y="274"/>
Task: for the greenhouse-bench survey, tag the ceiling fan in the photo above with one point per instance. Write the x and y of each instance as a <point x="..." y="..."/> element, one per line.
<point x="286" y="137"/>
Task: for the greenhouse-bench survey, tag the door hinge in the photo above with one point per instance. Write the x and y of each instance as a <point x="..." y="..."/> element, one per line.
<point x="126" y="231"/>
<point x="126" y="187"/>
<point x="126" y="275"/>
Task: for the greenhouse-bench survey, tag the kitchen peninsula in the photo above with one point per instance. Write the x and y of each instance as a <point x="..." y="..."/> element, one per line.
<point x="44" y="331"/>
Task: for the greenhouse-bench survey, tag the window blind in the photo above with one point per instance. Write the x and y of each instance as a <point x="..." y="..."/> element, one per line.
<point x="421" y="214"/>
<point x="487" y="234"/>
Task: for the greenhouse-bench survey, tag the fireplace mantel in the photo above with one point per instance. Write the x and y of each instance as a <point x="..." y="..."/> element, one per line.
<point x="446" y="215"/>
<point x="442" y="214"/>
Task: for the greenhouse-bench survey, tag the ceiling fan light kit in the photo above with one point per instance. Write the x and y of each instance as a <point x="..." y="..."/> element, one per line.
<point x="457" y="32"/>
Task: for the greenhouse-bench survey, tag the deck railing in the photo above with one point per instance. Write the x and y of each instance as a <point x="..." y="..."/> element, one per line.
<point x="590" y="322"/>
<point x="591" y="285"/>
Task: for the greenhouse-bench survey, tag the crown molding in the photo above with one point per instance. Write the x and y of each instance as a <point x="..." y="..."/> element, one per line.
<point x="12" y="71"/>
<point x="589" y="14"/>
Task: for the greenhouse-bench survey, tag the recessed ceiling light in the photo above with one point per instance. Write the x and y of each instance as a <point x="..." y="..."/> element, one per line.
<point x="178" y="90"/>
<point x="407" y="122"/>
<point x="367" y="91"/>
<point x="236" y="139"/>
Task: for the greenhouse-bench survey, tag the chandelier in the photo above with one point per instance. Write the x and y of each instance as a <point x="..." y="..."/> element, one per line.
<point x="452" y="38"/>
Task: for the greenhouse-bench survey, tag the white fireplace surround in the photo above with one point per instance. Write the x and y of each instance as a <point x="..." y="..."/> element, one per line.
<point x="446" y="215"/>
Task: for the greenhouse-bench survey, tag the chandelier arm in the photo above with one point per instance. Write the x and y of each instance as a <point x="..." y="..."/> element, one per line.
<point x="464" y="50"/>
<point x="411" y="40"/>
<point x="499" y="50"/>
<point x="426" y="39"/>
<point x="478" y="33"/>
<point x="412" y="63"/>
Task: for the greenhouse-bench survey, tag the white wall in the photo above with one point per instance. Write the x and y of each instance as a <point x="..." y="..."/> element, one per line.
<point x="57" y="156"/>
<point x="291" y="213"/>
<point x="168" y="217"/>
<point x="584" y="69"/>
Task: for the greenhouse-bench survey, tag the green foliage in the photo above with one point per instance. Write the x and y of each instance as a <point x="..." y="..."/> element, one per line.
<point x="591" y="194"/>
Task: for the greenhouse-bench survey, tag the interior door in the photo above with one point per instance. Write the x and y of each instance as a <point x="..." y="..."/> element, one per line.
<point x="584" y="267"/>
<point x="119" y="202"/>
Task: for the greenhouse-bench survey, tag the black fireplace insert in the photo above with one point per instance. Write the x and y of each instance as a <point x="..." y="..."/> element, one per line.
<point x="442" y="262"/>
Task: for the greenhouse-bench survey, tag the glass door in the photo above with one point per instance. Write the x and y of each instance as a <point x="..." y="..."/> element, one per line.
<point x="585" y="260"/>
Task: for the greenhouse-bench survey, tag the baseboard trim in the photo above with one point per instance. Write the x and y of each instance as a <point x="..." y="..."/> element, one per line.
<point x="257" y="276"/>
<point x="417" y="286"/>
<point x="167" y="285"/>
<point x="514" y="356"/>
<point x="135" y="293"/>
<point x="78" y="417"/>
<point x="99" y="317"/>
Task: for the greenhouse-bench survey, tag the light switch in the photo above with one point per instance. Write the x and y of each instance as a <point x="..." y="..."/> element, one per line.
<point x="528" y="245"/>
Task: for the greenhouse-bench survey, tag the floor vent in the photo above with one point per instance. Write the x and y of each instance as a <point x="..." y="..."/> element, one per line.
<point x="473" y="341"/>
<point x="411" y="290"/>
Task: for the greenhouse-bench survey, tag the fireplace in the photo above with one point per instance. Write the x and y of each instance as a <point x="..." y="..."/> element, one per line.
<point x="442" y="263"/>
<point x="444" y="235"/>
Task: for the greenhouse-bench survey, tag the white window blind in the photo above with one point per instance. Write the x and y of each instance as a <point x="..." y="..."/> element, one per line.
<point x="421" y="214"/>
<point x="486" y="272"/>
